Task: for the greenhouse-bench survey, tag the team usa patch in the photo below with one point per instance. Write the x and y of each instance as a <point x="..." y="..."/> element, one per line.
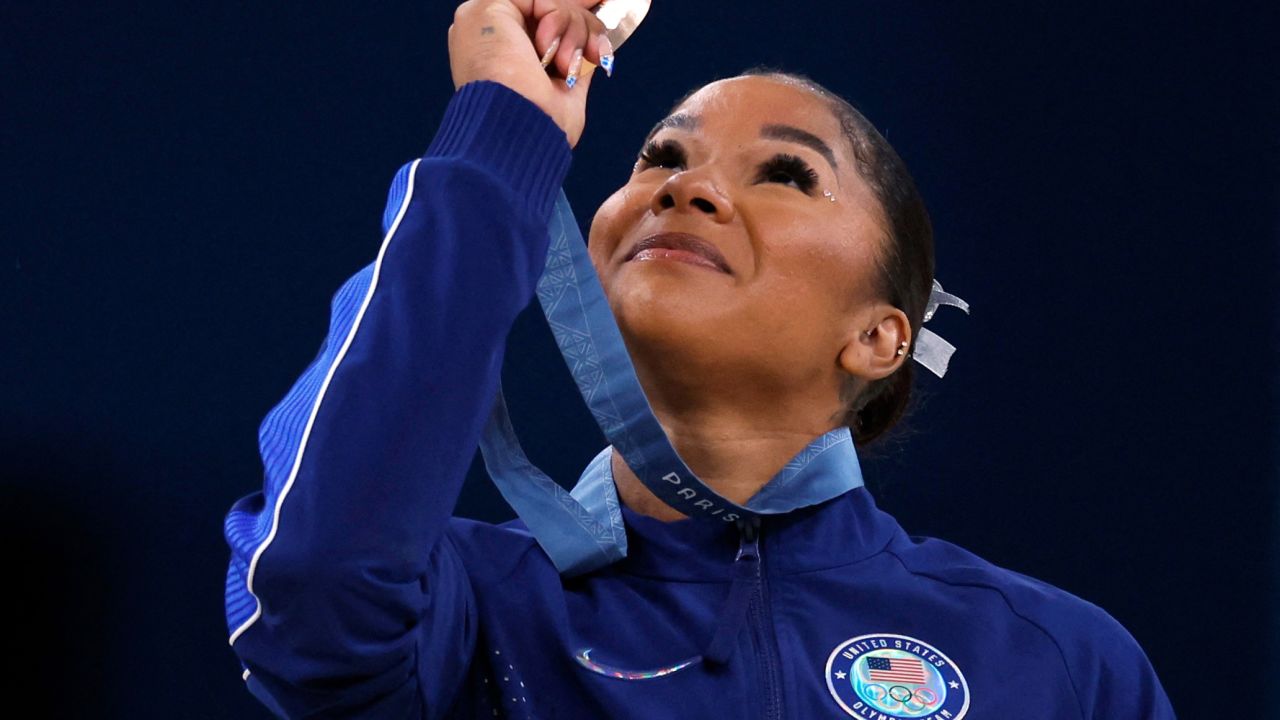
<point x="895" y="677"/>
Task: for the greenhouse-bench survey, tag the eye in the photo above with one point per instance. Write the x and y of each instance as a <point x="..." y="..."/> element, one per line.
<point x="666" y="154"/>
<point x="784" y="168"/>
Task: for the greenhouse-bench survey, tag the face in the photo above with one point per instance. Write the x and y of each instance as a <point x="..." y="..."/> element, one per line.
<point x="722" y="251"/>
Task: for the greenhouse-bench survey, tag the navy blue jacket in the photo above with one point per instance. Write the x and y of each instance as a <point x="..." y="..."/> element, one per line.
<point x="351" y="591"/>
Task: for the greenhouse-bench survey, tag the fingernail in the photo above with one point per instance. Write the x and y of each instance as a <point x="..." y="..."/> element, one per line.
<point x="606" y="55"/>
<point x="551" y="52"/>
<point x="574" y="66"/>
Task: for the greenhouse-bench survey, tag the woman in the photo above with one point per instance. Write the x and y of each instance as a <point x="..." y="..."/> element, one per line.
<point x="768" y="263"/>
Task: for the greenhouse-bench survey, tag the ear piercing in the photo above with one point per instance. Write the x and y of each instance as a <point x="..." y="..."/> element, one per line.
<point x="902" y="347"/>
<point x="829" y="195"/>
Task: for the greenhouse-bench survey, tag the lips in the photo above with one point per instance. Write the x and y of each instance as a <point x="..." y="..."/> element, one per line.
<point x="681" y="242"/>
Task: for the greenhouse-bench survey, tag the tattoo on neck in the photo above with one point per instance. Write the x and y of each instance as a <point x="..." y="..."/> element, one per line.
<point x="486" y="30"/>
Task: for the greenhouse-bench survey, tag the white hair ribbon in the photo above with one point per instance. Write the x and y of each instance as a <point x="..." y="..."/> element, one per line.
<point x="931" y="350"/>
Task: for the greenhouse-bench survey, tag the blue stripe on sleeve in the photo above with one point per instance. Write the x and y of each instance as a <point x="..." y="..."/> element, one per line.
<point x="249" y="524"/>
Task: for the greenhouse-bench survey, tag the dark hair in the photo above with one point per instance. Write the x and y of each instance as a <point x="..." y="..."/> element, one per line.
<point x="906" y="265"/>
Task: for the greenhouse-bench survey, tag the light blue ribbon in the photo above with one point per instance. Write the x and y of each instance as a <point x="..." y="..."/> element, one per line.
<point x="583" y="530"/>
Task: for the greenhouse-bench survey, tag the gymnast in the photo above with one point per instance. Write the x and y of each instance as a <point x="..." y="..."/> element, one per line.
<point x="760" y="286"/>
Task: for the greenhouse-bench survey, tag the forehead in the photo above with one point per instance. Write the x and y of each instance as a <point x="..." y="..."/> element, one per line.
<point x="745" y="104"/>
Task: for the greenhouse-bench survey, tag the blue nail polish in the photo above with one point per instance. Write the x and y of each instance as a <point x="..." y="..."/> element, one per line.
<point x="574" y="66"/>
<point x="606" y="63"/>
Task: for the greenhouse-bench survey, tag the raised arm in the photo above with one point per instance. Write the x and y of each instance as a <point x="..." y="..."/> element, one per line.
<point x="342" y="597"/>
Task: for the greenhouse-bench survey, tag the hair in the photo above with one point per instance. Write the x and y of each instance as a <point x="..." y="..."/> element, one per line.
<point x="906" y="259"/>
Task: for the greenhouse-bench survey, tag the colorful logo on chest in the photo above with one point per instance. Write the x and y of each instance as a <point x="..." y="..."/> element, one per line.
<point x="895" y="677"/>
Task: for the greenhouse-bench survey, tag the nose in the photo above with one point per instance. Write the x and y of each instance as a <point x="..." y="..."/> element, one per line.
<point x="692" y="191"/>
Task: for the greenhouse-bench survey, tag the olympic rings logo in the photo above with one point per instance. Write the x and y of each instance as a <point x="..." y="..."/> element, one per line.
<point x="901" y="696"/>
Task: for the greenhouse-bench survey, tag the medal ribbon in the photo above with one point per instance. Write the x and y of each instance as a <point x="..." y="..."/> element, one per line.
<point x="583" y="530"/>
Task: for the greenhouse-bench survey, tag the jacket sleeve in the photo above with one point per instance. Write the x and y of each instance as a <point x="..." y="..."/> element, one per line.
<point x="344" y="596"/>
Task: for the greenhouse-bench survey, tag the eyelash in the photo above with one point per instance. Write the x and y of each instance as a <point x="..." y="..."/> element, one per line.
<point x="659" y="154"/>
<point x="668" y="153"/>
<point x="806" y="177"/>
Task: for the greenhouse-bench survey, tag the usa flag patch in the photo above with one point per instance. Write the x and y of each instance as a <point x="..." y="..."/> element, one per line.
<point x="897" y="677"/>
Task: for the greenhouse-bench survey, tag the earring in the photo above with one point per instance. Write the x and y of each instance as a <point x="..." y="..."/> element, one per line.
<point x="829" y="195"/>
<point x="902" y="349"/>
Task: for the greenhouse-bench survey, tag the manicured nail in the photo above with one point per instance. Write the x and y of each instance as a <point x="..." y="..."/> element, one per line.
<point x="606" y="55"/>
<point x="551" y="52"/>
<point x="574" y="66"/>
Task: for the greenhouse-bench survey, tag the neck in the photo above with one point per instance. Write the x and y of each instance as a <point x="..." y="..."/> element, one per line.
<point x="734" y="451"/>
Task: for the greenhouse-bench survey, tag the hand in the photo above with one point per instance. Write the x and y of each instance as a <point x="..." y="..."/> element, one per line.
<point x="506" y="40"/>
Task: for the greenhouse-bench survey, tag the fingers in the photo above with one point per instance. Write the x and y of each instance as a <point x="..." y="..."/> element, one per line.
<point x="549" y="36"/>
<point x="600" y="51"/>
<point x="568" y="35"/>
<point x="572" y="42"/>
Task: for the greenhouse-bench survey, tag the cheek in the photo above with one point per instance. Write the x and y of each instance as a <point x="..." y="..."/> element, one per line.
<point x="616" y="215"/>
<point x="808" y="286"/>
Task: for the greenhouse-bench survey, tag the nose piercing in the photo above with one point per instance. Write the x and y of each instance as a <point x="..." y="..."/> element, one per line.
<point x="829" y="195"/>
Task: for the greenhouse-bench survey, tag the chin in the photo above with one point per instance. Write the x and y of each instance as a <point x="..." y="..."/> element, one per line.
<point x="662" y="312"/>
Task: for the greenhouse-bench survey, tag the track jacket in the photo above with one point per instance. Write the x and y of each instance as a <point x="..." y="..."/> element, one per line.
<point x="351" y="591"/>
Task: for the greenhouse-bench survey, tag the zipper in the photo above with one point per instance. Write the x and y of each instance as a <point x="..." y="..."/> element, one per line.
<point x="742" y="590"/>
<point x="749" y="543"/>
<point x="748" y="602"/>
<point x="761" y="621"/>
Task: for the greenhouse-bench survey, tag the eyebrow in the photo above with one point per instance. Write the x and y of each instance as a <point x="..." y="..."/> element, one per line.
<point x="679" y="120"/>
<point x="804" y="137"/>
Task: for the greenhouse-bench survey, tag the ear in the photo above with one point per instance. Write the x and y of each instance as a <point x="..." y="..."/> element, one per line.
<point x="871" y="352"/>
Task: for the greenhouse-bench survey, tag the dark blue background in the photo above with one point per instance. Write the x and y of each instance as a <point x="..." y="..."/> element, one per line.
<point x="184" y="187"/>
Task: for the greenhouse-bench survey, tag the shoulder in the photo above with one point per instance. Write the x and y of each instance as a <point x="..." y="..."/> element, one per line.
<point x="1056" y="611"/>
<point x="1108" y="669"/>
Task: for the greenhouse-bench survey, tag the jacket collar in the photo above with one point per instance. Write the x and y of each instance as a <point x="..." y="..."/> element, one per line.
<point x="840" y="531"/>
